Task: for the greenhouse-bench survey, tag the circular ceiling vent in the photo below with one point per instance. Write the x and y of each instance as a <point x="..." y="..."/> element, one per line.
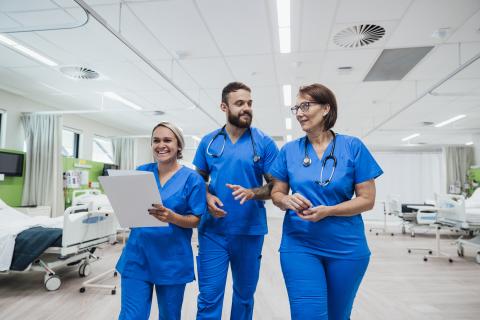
<point x="75" y="72"/>
<point x="359" y="36"/>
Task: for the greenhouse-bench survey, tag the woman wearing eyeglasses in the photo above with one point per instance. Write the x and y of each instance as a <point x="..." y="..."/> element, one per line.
<point x="323" y="252"/>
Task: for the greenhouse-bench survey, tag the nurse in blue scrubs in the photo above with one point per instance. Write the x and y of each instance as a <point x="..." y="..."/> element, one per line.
<point x="236" y="158"/>
<point x="161" y="257"/>
<point x="323" y="252"/>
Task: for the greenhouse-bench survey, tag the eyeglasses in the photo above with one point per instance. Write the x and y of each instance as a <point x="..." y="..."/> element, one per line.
<point x="304" y="106"/>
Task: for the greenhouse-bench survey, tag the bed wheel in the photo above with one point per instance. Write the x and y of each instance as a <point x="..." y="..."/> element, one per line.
<point x="409" y="251"/>
<point x="84" y="270"/>
<point x="425" y="259"/>
<point x="114" y="291"/>
<point x="115" y="274"/>
<point x="52" y="282"/>
<point x="82" y="290"/>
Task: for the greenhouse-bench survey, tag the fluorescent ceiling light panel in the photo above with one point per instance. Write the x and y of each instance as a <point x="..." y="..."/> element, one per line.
<point x="444" y="123"/>
<point x="287" y="95"/>
<point x="27" y="51"/>
<point x="469" y="143"/>
<point x="116" y="97"/>
<point x="411" y="137"/>
<point x="284" y="36"/>
<point x="288" y="123"/>
<point x="283" y="13"/>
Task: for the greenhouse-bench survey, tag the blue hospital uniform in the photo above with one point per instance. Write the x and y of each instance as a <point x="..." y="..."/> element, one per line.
<point x="326" y="258"/>
<point x="236" y="238"/>
<point x="162" y="256"/>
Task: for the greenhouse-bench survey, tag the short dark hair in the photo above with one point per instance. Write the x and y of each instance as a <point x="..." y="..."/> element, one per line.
<point x="232" y="87"/>
<point x="322" y="95"/>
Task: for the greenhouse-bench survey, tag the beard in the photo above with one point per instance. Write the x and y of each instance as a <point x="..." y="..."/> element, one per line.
<point x="238" y="122"/>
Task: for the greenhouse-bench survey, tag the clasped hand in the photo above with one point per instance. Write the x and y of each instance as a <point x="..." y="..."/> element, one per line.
<point x="304" y="208"/>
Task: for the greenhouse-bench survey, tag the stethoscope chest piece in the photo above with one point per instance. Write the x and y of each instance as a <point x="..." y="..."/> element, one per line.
<point x="307" y="161"/>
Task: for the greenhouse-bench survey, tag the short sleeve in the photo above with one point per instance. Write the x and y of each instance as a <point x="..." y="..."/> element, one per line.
<point x="200" y="161"/>
<point x="271" y="152"/>
<point x="278" y="169"/>
<point x="366" y="168"/>
<point x="197" y="195"/>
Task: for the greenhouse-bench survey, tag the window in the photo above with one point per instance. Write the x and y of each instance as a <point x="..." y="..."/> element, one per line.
<point x="102" y="150"/>
<point x="70" y="143"/>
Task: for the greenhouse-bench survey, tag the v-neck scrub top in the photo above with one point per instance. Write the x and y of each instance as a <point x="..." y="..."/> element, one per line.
<point x="334" y="236"/>
<point x="236" y="166"/>
<point x="163" y="255"/>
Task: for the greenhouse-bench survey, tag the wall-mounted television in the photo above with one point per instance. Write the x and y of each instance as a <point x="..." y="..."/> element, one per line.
<point x="11" y="164"/>
<point x="107" y="166"/>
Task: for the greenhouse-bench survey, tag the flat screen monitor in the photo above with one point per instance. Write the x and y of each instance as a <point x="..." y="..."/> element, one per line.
<point x="107" y="166"/>
<point x="11" y="164"/>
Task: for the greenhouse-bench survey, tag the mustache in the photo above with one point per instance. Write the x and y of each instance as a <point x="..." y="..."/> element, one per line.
<point x="248" y="113"/>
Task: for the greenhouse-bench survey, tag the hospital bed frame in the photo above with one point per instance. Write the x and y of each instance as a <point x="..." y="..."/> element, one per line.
<point x="85" y="227"/>
<point x="78" y="197"/>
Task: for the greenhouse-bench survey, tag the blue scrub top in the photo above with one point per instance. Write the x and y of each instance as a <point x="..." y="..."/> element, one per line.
<point x="236" y="166"/>
<point x="163" y="255"/>
<point x="336" y="237"/>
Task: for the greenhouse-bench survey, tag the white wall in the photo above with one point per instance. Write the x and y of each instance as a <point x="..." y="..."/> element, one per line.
<point x="15" y="105"/>
<point x="413" y="177"/>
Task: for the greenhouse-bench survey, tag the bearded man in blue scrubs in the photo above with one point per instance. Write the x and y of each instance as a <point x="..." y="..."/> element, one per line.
<point x="235" y="158"/>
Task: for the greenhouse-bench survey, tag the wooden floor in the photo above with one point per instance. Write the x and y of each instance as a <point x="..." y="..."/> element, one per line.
<point x="397" y="285"/>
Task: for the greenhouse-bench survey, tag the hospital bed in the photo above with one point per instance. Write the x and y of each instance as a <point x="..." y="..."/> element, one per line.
<point x="76" y="235"/>
<point x="414" y="216"/>
<point x="459" y="214"/>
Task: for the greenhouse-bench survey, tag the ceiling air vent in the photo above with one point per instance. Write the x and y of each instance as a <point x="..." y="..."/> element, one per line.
<point x="75" y="72"/>
<point x="359" y="36"/>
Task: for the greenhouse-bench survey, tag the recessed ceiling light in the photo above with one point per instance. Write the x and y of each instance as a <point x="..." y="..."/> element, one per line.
<point x="469" y="143"/>
<point x="27" y="51"/>
<point x="287" y="95"/>
<point x="411" y="136"/>
<point x="444" y="123"/>
<point x="116" y="97"/>
<point x="284" y="34"/>
<point x="288" y="123"/>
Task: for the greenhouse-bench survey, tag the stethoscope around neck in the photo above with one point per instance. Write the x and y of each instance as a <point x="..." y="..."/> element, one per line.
<point x="223" y="133"/>
<point x="307" y="161"/>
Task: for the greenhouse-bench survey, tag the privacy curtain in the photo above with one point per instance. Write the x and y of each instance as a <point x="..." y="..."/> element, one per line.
<point x="458" y="160"/>
<point x="124" y="152"/>
<point x="43" y="175"/>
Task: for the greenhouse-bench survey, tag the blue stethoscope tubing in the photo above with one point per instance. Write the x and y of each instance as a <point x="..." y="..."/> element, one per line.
<point x="222" y="132"/>
<point x="307" y="161"/>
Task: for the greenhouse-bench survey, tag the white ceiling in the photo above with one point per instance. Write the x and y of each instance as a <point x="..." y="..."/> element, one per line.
<point x="201" y="45"/>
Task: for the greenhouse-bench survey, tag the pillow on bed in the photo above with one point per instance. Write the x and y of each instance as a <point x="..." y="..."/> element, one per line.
<point x="8" y="213"/>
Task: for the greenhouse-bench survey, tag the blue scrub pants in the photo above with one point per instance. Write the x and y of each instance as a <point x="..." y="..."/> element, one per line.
<point x="244" y="253"/>
<point x="320" y="287"/>
<point x="137" y="300"/>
